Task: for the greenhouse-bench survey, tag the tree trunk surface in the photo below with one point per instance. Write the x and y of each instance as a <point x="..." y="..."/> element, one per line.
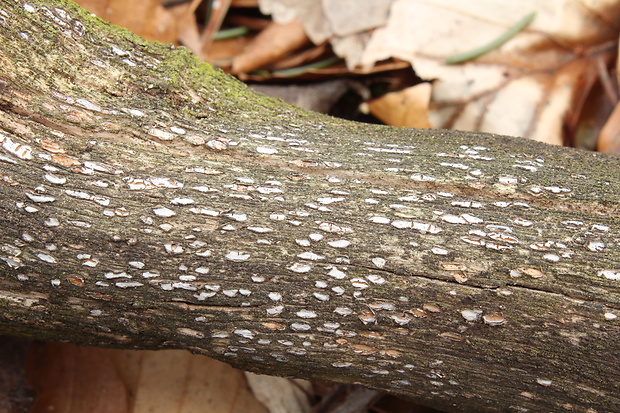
<point x="150" y="201"/>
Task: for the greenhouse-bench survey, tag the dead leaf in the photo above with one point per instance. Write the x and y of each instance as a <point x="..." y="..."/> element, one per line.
<point x="344" y="23"/>
<point x="188" y="34"/>
<point x="270" y="45"/>
<point x="408" y="107"/>
<point x="301" y="58"/>
<point x="525" y="87"/>
<point x="222" y="52"/>
<point x="280" y="395"/>
<point x="176" y="380"/>
<point x="609" y="138"/>
<point x="73" y="379"/>
<point x="348" y="17"/>
<point x="244" y="3"/>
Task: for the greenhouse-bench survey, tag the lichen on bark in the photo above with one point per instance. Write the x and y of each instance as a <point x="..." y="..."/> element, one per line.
<point x="150" y="201"/>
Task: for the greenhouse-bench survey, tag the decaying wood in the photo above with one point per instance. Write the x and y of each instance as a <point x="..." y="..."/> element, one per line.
<point x="150" y="201"/>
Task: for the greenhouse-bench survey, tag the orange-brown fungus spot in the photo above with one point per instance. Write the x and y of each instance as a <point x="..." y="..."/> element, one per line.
<point x="51" y="146"/>
<point x="76" y="281"/>
<point x="65" y="160"/>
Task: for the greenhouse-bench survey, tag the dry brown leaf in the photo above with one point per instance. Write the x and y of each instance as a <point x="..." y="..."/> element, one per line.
<point x="525" y="87"/>
<point x="178" y="381"/>
<point x="309" y="13"/>
<point x="408" y="107"/>
<point x="244" y="3"/>
<point x="73" y="379"/>
<point x="582" y="106"/>
<point x="146" y="18"/>
<point x="609" y="138"/>
<point x="222" y="52"/>
<point x="618" y="65"/>
<point x="270" y="45"/>
<point x="344" y="22"/>
<point x="590" y="110"/>
<point x="187" y="34"/>
<point x="280" y="395"/>
<point x="348" y="17"/>
<point x="301" y="58"/>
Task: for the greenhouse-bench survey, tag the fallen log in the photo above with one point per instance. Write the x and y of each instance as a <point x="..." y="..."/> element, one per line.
<point x="150" y="201"/>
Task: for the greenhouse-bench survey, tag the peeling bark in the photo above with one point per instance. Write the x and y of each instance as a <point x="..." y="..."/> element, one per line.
<point x="150" y="201"/>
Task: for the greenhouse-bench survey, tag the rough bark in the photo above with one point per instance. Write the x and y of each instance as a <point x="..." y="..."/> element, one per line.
<point x="150" y="201"/>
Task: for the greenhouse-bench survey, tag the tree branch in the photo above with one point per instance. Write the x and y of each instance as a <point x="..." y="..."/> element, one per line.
<point x="150" y="201"/>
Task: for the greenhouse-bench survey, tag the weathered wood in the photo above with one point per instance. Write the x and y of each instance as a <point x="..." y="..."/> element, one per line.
<point x="150" y="201"/>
